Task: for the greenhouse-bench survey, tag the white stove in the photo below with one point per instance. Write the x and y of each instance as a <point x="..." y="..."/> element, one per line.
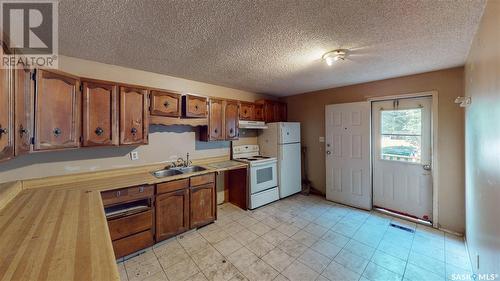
<point x="263" y="177"/>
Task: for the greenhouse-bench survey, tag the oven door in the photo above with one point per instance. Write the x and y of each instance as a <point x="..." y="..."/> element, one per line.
<point x="263" y="176"/>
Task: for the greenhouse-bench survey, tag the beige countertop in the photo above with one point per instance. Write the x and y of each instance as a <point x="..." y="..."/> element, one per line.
<point x="55" y="228"/>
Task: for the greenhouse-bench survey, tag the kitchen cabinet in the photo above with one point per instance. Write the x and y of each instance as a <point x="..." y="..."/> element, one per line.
<point x="202" y="200"/>
<point x="222" y="121"/>
<point x="258" y="112"/>
<point x="166" y="104"/>
<point x="6" y="111"/>
<point x="57" y="111"/>
<point x="231" y="114"/>
<point x="134" y="126"/>
<point x="172" y="213"/>
<point x="23" y="129"/>
<point x="247" y="111"/>
<point x="273" y="111"/>
<point x="99" y="113"/>
<point x="194" y="106"/>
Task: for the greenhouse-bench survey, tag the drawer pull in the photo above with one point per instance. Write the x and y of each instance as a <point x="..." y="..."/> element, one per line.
<point x="118" y="193"/>
<point x="141" y="189"/>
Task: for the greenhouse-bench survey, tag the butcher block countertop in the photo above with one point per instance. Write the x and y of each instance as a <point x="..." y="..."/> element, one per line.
<point x="55" y="228"/>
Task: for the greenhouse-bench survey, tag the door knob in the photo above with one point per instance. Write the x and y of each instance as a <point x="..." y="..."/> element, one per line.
<point x="99" y="131"/>
<point x="57" y="132"/>
<point x="328" y="152"/>
<point x="133" y="131"/>
<point x="427" y="167"/>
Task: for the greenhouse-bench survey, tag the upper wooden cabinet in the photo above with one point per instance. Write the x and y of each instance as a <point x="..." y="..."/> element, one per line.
<point x="274" y="111"/>
<point x="231" y="114"/>
<point x="216" y="120"/>
<point x="24" y="89"/>
<point x="133" y="115"/>
<point x="258" y="112"/>
<point x="57" y="111"/>
<point x="194" y="106"/>
<point x="165" y="104"/>
<point x="6" y="111"/>
<point x="247" y="111"/>
<point x="100" y="113"/>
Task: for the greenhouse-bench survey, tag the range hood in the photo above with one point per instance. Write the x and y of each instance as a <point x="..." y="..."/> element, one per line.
<point x="252" y="124"/>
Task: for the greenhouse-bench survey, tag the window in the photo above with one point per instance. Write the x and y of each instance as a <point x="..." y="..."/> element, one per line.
<point x="401" y="135"/>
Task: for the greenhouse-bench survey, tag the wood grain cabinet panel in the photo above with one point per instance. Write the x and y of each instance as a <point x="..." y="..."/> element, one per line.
<point x="133" y="116"/>
<point x="202" y="209"/>
<point x="259" y="112"/>
<point x="133" y="243"/>
<point x="100" y="114"/>
<point x="172" y="213"/>
<point x="165" y="104"/>
<point x="247" y="111"/>
<point x="6" y="111"/>
<point x="231" y="114"/>
<point x="216" y="120"/>
<point x="125" y="226"/>
<point x="23" y="131"/>
<point x="194" y="106"/>
<point x="273" y="111"/>
<point x="57" y="111"/>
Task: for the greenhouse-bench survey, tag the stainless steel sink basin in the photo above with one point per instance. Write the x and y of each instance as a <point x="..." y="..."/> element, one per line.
<point x="177" y="171"/>
<point x="191" y="169"/>
<point x="166" y="173"/>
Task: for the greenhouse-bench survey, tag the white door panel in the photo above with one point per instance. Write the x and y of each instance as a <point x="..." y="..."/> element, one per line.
<point x="290" y="180"/>
<point x="348" y="174"/>
<point x="401" y="147"/>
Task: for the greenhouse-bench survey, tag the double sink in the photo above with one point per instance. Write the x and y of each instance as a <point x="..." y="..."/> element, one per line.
<point x="177" y="171"/>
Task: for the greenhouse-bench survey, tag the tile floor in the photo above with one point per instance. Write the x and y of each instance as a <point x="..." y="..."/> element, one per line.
<point x="302" y="238"/>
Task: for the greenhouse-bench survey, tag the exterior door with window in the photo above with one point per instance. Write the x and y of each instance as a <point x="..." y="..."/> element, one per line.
<point x="402" y="177"/>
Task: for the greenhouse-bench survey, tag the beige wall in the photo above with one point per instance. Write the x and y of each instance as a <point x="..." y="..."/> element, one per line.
<point x="309" y="109"/>
<point x="482" y="138"/>
<point x="165" y="143"/>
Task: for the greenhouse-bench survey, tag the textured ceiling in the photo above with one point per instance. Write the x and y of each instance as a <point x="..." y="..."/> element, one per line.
<point x="273" y="46"/>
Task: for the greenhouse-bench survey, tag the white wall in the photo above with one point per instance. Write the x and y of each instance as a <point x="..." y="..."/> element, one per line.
<point x="482" y="135"/>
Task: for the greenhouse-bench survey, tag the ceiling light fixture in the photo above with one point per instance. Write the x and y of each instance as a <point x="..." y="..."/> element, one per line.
<point x="335" y="55"/>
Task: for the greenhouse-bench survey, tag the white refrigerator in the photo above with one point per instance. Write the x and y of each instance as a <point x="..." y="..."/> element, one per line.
<point x="282" y="140"/>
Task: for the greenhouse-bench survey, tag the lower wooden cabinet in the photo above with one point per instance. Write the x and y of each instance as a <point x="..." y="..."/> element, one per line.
<point x="172" y="213"/>
<point x="133" y="243"/>
<point x="202" y="209"/>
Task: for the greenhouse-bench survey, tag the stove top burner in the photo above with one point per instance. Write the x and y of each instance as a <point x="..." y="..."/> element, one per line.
<point x="253" y="158"/>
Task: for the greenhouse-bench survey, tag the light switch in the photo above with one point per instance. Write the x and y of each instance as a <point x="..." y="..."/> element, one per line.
<point x="134" y="155"/>
<point x="321" y="139"/>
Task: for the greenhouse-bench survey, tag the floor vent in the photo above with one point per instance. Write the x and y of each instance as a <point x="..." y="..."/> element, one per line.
<point x="402" y="227"/>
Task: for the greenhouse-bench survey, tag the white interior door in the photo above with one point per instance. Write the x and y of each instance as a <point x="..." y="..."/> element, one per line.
<point x="402" y="177"/>
<point x="348" y="178"/>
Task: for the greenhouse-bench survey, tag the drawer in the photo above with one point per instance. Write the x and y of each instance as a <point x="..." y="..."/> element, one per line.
<point x="133" y="243"/>
<point x="165" y="104"/>
<point x="126" y="194"/>
<point x="122" y="227"/>
<point x="194" y="106"/>
<point x="203" y="179"/>
<point x="172" y="186"/>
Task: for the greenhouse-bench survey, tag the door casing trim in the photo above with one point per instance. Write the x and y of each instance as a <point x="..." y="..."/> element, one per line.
<point x="434" y="144"/>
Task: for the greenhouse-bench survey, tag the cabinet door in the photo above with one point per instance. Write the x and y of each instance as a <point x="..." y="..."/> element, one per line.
<point x="100" y="120"/>
<point x="172" y="213"/>
<point x="231" y="114"/>
<point x="247" y="111"/>
<point x="215" y="120"/>
<point x="202" y="205"/>
<point x="269" y="112"/>
<point x="24" y="89"/>
<point x="133" y="116"/>
<point x="6" y="112"/>
<point x="195" y="106"/>
<point x="57" y="111"/>
<point x="259" y="112"/>
<point x="165" y="104"/>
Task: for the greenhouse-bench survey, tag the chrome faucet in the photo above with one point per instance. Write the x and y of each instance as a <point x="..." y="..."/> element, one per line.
<point x="183" y="163"/>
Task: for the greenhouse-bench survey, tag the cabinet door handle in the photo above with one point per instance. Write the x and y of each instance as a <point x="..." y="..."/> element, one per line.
<point x="118" y="193"/>
<point x="133" y="131"/>
<point x="196" y="107"/>
<point x="215" y="131"/>
<point x="141" y="189"/>
<point x="22" y="131"/>
<point x="99" y="131"/>
<point x="57" y="132"/>
<point x="3" y="131"/>
<point x="166" y="104"/>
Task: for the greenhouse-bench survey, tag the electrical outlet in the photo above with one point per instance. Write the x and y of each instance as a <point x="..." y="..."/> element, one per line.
<point x="134" y="155"/>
